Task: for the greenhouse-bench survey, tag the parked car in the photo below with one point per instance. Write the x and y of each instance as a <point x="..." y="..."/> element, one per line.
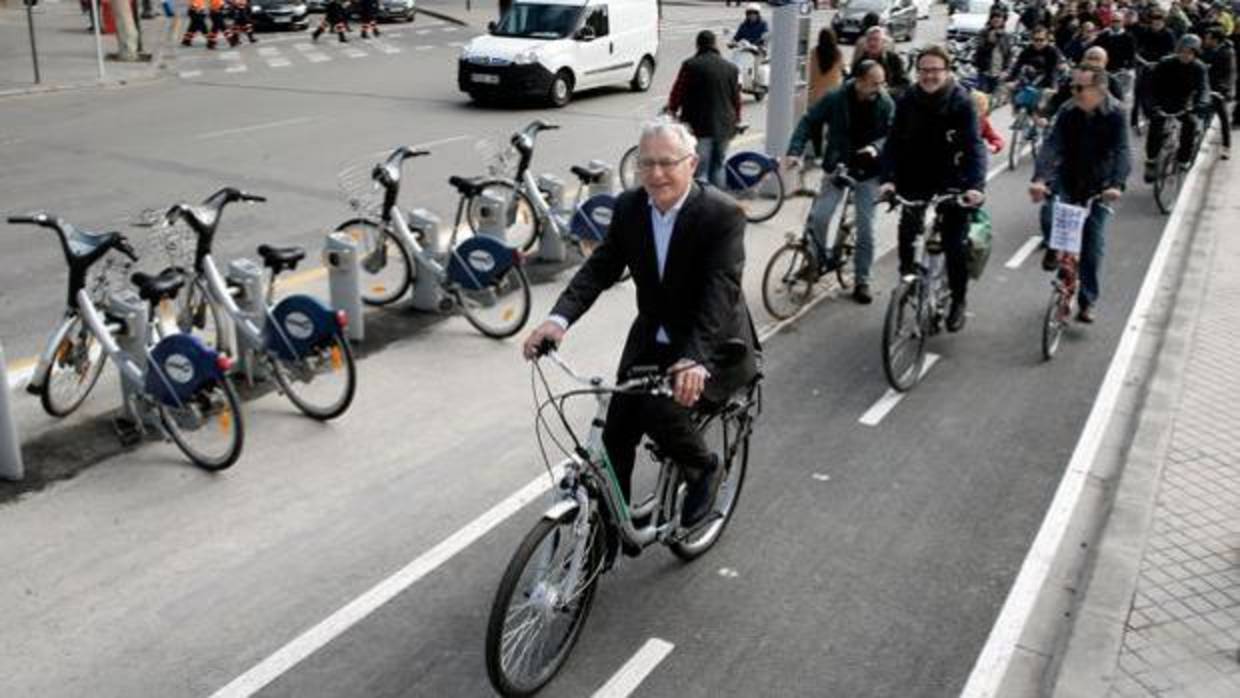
<point x="279" y="14"/>
<point x="967" y="22"/>
<point x="898" y="17"/>
<point x="553" y="48"/>
<point x="389" y="10"/>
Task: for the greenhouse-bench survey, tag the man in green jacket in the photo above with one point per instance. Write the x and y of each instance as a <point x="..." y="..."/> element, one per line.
<point x="857" y="116"/>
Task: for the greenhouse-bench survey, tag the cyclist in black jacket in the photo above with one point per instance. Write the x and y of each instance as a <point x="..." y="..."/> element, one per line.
<point x="1040" y="55"/>
<point x="1178" y="84"/>
<point x="1220" y="58"/>
<point x="1154" y="43"/>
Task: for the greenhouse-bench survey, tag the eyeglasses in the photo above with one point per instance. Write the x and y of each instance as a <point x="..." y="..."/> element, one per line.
<point x="647" y="165"/>
<point x="931" y="71"/>
<point x="1078" y="88"/>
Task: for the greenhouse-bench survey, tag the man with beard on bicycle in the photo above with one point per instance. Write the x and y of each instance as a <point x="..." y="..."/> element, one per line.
<point x="857" y="116"/>
<point x="684" y="245"/>
<point x="874" y="47"/>
<point x="935" y="145"/>
<point x="1179" y="83"/>
<point x="1084" y="154"/>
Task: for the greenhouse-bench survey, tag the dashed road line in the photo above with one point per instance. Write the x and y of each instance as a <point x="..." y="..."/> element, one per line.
<point x="634" y="671"/>
<point x="190" y="73"/>
<point x="239" y="68"/>
<point x="1023" y="253"/>
<point x="279" y="62"/>
<point x="891" y="398"/>
<point x="255" y="127"/>
<point x="355" y="53"/>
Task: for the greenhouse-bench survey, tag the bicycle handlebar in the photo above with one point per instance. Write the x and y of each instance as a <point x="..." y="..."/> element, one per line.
<point x="647" y="379"/>
<point x="29" y="219"/>
<point x="954" y="197"/>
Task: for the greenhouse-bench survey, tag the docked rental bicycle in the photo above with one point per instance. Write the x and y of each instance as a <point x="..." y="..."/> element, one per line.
<point x="547" y="590"/>
<point x="795" y="269"/>
<point x="176" y="387"/>
<point x="1068" y="224"/>
<point x="918" y="306"/>
<point x="482" y="277"/>
<point x="299" y="341"/>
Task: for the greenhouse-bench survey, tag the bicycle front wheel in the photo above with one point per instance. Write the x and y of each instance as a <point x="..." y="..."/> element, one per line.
<point x="1018" y="137"/>
<point x="845" y="247"/>
<point x="904" y="337"/>
<point x="788" y="282"/>
<point x="1053" y="323"/>
<point x="386" y="269"/>
<point x="538" y="610"/>
<point x="628" y="168"/>
<point x="762" y="199"/>
<point x="500" y="309"/>
<point x="207" y="428"/>
<point x="521" y="226"/>
<point x="1167" y="183"/>
<point x="321" y="383"/>
<point x="76" y="367"/>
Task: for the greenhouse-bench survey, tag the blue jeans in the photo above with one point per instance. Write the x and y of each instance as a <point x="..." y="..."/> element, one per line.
<point x="866" y="195"/>
<point x="712" y="153"/>
<point x="1093" y="247"/>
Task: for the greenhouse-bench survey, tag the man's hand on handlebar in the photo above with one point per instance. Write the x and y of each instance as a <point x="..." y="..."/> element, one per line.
<point x="690" y="380"/>
<point x="1038" y="191"/>
<point x="547" y="334"/>
<point x="1111" y="195"/>
<point x="886" y="191"/>
<point x="972" y="198"/>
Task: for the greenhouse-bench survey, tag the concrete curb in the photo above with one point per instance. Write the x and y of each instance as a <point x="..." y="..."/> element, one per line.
<point x="1093" y="644"/>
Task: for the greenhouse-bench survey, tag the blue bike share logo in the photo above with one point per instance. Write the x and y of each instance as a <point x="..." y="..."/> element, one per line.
<point x="299" y="325"/>
<point x="179" y="368"/>
<point x="482" y="261"/>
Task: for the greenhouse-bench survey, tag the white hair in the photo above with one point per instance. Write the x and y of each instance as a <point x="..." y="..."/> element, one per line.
<point x="667" y="126"/>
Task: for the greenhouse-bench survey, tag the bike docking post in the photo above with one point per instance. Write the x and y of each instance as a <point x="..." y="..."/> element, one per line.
<point x="133" y="312"/>
<point x="427" y="294"/>
<point x="550" y="245"/>
<point x="344" y="280"/>
<point x="248" y="275"/>
<point x="10" y="450"/>
<point x="605" y="184"/>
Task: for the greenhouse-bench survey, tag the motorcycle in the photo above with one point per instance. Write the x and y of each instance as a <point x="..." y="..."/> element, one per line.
<point x="753" y="71"/>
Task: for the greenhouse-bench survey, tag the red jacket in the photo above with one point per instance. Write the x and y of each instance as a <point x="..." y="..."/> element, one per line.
<point x="994" y="141"/>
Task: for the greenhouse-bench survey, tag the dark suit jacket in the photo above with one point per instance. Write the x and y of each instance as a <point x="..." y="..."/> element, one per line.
<point x="698" y="302"/>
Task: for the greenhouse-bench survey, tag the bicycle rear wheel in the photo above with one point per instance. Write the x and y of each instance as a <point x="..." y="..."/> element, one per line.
<point x="844" y="249"/>
<point x="521" y="224"/>
<point x="501" y="308"/>
<point x="321" y="383"/>
<point x="538" y="611"/>
<point x="627" y="169"/>
<point x="386" y="269"/>
<point x="76" y="366"/>
<point x="788" y="282"/>
<point x="197" y="315"/>
<point x="1056" y="318"/>
<point x="208" y="427"/>
<point x="1167" y="183"/>
<point x="762" y="199"/>
<point x="904" y="337"/>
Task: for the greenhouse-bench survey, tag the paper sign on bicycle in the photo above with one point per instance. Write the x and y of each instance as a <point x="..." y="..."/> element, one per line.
<point x="1067" y="225"/>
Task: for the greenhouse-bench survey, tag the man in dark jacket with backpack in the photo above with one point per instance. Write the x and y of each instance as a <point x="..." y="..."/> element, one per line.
<point x="707" y="97"/>
<point x="935" y="145"/>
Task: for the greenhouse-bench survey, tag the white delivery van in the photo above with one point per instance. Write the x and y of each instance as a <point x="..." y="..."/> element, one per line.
<point x="553" y="48"/>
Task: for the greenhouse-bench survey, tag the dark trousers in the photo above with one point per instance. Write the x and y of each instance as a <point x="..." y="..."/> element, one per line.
<point x="667" y="423"/>
<point x="953" y="229"/>
<point x="1188" y="135"/>
<point x="1140" y="96"/>
<point x="1218" y="106"/>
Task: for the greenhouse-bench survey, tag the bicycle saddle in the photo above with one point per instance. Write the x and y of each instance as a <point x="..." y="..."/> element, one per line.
<point x="280" y="258"/>
<point x="588" y="175"/>
<point x="156" y="288"/>
<point x="468" y="186"/>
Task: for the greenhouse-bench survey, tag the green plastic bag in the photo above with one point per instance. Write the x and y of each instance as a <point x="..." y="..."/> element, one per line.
<point x="979" y="243"/>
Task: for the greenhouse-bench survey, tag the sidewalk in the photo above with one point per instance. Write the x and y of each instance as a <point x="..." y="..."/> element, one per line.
<point x="67" y="55"/>
<point x="1160" y="612"/>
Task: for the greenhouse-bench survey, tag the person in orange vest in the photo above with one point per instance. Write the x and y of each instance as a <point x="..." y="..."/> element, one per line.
<point x="218" y="25"/>
<point x="369" y="9"/>
<point x="197" y="21"/>
<point x="335" y="17"/>
<point x="242" y="22"/>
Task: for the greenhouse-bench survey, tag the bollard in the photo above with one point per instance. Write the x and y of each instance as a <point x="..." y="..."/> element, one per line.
<point x="551" y="246"/>
<point x="344" y="281"/>
<point x="10" y="450"/>
<point x="427" y="294"/>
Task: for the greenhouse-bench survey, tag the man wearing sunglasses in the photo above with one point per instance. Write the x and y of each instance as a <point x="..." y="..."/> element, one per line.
<point x="1041" y="59"/>
<point x="1085" y="154"/>
<point x="683" y="242"/>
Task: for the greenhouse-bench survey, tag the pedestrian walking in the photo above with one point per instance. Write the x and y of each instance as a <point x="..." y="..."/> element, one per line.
<point x="242" y="22"/>
<point x="197" y="22"/>
<point x="334" y="17"/>
<point x="369" y="11"/>
<point x="707" y="97"/>
<point x="219" y="25"/>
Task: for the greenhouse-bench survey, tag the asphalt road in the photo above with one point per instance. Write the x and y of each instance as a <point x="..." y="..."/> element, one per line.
<point x="863" y="560"/>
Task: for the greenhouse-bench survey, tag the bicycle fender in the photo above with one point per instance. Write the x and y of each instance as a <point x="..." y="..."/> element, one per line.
<point x="180" y="366"/>
<point x="593" y="218"/>
<point x="561" y="509"/>
<point x="39" y="377"/>
<point x="478" y="261"/>
<point x="298" y="325"/>
<point x="746" y="168"/>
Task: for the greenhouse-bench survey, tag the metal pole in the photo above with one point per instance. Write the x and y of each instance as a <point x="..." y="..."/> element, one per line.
<point x="10" y="450"/>
<point x="783" y="78"/>
<point x="34" y="52"/>
<point x="98" y="38"/>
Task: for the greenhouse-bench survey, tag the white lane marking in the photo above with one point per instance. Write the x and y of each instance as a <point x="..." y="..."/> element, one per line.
<point x="422" y="32"/>
<point x="228" y="57"/>
<point x="239" y="68"/>
<point x="268" y="51"/>
<point x="630" y="676"/>
<point x="20" y="377"/>
<point x="304" y="47"/>
<point x="450" y="29"/>
<point x="318" y="57"/>
<point x="423" y="48"/>
<point x="333" y="626"/>
<point x="387" y="48"/>
<point x="441" y="141"/>
<point x="891" y="398"/>
<point x="190" y="73"/>
<point x="456" y="44"/>
<point x="1023" y="253"/>
<point x="354" y="53"/>
<point x="393" y="35"/>
<point x="279" y="62"/>
<point x="996" y="655"/>
<point x="255" y="127"/>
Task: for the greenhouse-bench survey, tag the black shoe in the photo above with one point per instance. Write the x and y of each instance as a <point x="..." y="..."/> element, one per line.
<point x="956" y="317"/>
<point x="861" y="294"/>
<point x="1086" y="315"/>
<point x="701" y="496"/>
<point x="1151" y="171"/>
<point x="1050" y="260"/>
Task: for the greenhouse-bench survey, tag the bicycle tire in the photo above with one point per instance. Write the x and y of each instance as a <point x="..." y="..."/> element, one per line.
<point x="1052" y="325"/>
<point x="87" y="376"/>
<point x="1167" y="183"/>
<point x="385" y="278"/>
<point x="197" y="315"/>
<point x="224" y="410"/>
<point x="1018" y="131"/>
<point x="845" y="248"/>
<point x="498" y="672"/>
<point x="627" y="168"/>
<point x="752" y="197"/>
<point x="904" y="304"/>
<point x="511" y="318"/>
<point x="338" y="359"/>
<point x="522" y="238"/>
<point x="783" y="279"/>
<point x="725" y="502"/>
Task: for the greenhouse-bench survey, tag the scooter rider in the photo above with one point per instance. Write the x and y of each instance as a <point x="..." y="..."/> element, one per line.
<point x="753" y="29"/>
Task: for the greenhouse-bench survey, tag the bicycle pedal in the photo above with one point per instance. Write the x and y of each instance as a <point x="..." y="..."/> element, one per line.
<point x="128" y="431"/>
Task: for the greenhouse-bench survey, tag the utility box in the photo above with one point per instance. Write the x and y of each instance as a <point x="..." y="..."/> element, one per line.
<point x="340" y="256"/>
